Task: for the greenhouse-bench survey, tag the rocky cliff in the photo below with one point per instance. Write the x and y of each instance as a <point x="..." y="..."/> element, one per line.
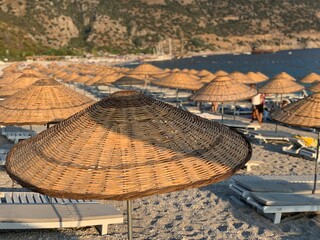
<point x="34" y="26"/>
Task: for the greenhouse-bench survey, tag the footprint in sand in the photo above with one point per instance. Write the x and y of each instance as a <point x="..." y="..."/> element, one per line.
<point x="237" y="225"/>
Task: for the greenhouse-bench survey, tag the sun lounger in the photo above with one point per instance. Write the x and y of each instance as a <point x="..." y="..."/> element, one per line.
<point x="273" y="205"/>
<point x="240" y="124"/>
<point x="15" y="134"/>
<point x="269" y="136"/>
<point x="27" y="210"/>
<point x="297" y="147"/>
<point x="4" y="149"/>
<point x="273" y="197"/>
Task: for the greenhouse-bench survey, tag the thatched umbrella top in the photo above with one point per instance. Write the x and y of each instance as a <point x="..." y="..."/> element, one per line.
<point x="304" y="112"/>
<point x="240" y="77"/>
<point x="124" y="147"/>
<point x="263" y="76"/>
<point x="129" y="81"/>
<point x="207" y="78"/>
<point x="280" y="86"/>
<point x="221" y="73"/>
<point x="315" y="88"/>
<point x="284" y="75"/>
<point x="193" y="71"/>
<point x="17" y="85"/>
<point x="310" y="78"/>
<point x="146" y="69"/>
<point x="93" y="80"/>
<point x="9" y="78"/>
<point x="256" y="77"/>
<point x="108" y="79"/>
<point x="204" y="73"/>
<point x="28" y="72"/>
<point x="179" y="81"/>
<point x="44" y="101"/>
<point x="81" y="79"/>
<point x="223" y="89"/>
<point x="70" y="77"/>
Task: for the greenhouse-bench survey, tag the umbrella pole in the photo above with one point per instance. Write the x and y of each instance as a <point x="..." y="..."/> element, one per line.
<point x="234" y="112"/>
<point x="222" y="112"/>
<point x="129" y="213"/>
<point x="177" y="90"/>
<point x="316" y="165"/>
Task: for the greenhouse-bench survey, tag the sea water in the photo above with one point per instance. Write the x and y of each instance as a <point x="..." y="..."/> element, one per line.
<point x="297" y="63"/>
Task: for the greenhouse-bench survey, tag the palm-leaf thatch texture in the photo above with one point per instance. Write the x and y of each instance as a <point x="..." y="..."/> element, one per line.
<point x="127" y="146"/>
<point x="223" y="89"/>
<point x="44" y="101"/>
<point x="281" y="86"/>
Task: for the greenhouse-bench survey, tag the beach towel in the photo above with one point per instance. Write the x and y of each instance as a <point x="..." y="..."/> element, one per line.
<point x="308" y="141"/>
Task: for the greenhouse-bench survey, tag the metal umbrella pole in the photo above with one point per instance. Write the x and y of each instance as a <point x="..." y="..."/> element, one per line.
<point x="222" y="112"/>
<point x="129" y="214"/>
<point x="316" y="165"/>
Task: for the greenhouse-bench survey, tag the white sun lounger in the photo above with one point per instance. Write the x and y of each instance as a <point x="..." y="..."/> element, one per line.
<point x="27" y="210"/>
<point x="269" y="136"/>
<point x="273" y="205"/>
<point x="15" y="134"/>
<point x="4" y="149"/>
<point x="240" y="124"/>
<point x="273" y="197"/>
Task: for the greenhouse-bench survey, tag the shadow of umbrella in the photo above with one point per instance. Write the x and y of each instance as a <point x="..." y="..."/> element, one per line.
<point x="303" y="113"/>
<point x="124" y="147"/>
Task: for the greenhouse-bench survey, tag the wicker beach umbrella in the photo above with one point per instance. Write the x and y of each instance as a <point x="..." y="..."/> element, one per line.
<point x="221" y="73"/>
<point x="223" y="89"/>
<point x="70" y="77"/>
<point x="17" y="85"/>
<point x="28" y="72"/>
<point x="8" y="79"/>
<point x="42" y="102"/>
<point x="240" y="77"/>
<point x="147" y="71"/>
<point x="315" y="88"/>
<point x="310" y="78"/>
<point x="81" y="79"/>
<point x="204" y="73"/>
<point x="93" y="80"/>
<point x="207" y="78"/>
<point x="304" y="113"/>
<point x="124" y="147"/>
<point x="284" y="75"/>
<point x="179" y="81"/>
<point x="108" y="79"/>
<point x="256" y="77"/>
<point x="128" y="81"/>
<point x="281" y="86"/>
<point x="263" y="76"/>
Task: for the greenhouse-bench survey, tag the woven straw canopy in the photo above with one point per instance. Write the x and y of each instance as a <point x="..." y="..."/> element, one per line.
<point x="223" y="89"/>
<point x="221" y="73"/>
<point x="146" y="69"/>
<point x="16" y="85"/>
<point x="128" y="81"/>
<point x="44" y="101"/>
<point x="256" y="77"/>
<point x="179" y="81"/>
<point x="204" y="73"/>
<point x="208" y="78"/>
<point x="124" y="147"/>
<point x="315" y="88"/>
<point x="310" y="78"/>
<point x="284" y="75"/>
<point x="304" y="112"/>
<point x="240" y="77"/>
<point x="280" y="86"/>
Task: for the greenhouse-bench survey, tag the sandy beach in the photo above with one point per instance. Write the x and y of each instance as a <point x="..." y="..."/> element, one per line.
<point x="204" y="213"/>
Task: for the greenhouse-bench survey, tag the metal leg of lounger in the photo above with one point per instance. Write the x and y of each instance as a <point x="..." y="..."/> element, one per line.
<point x="316" y="165"/>
<point x="277" y="217"/>
<point x="129" y="210"/>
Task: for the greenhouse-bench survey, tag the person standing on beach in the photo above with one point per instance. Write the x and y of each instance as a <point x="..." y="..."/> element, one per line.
<point x="257" y="106"/>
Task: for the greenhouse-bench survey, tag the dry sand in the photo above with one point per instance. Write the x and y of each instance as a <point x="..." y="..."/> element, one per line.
<point x="205" y="213"/>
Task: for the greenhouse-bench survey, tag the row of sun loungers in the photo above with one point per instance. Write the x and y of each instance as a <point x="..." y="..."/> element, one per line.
<point x="273" y="197"/>
<point x="28" y="210"/>
<point x="15" y="134"/>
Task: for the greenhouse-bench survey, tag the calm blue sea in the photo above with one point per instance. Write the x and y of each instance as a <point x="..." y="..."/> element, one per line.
<point x="297" y="63"/>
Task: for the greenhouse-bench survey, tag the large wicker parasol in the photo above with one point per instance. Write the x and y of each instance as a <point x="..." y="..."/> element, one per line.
<point x="16" y="85"/>
<point x="128" y="81"/>
<point x="256" y="77"/>
<point x="179" y="81"/>
<point x="146" y="69"/>
<point x="284" y="75"/>
<point x="281" y="86"/>
<point x="310" y="78"/>
<point x="305" y="113"/>
<point x="240" y="77"/>
<point x="315" y="88"/>
<point x="124" y="147"/>
<point x="44" y="101"/>
<point x="223" y="89"/>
